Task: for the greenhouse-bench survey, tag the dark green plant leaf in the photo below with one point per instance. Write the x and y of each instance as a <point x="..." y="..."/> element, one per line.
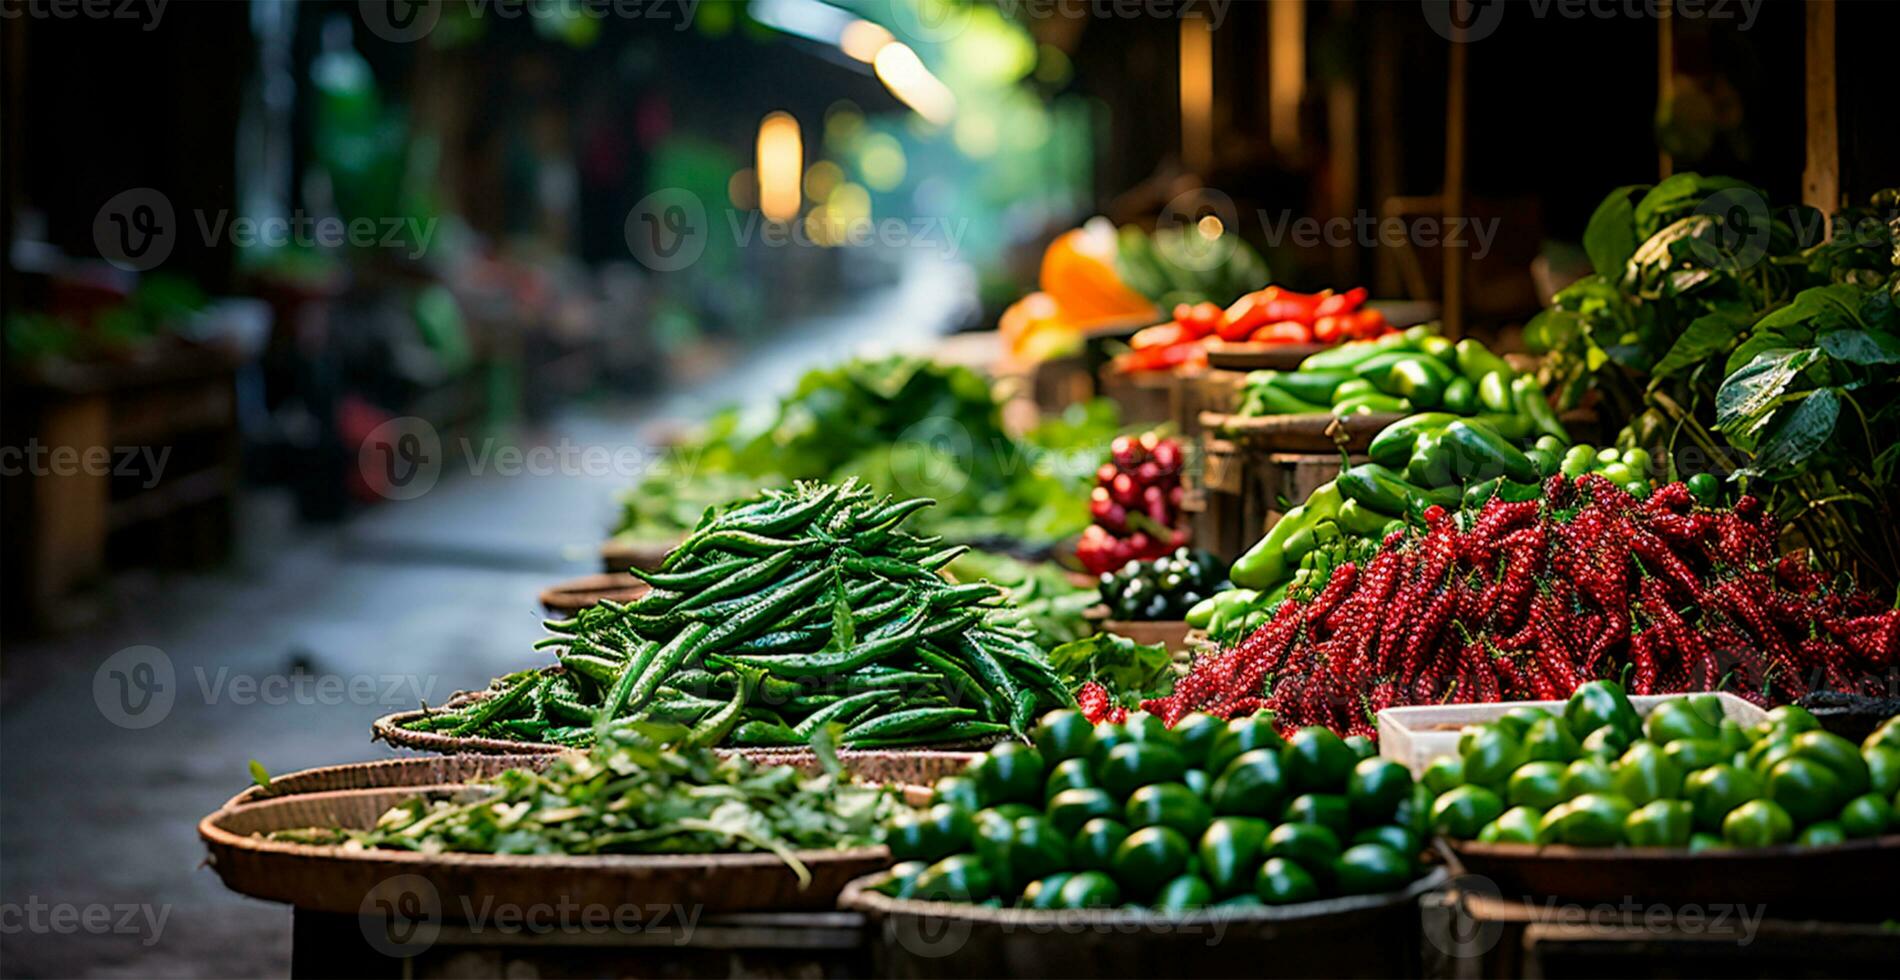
<point x="1745" y="400"/>
<point x="1706" y="336"/>
<point x="1861" y="346"/>
<point x="1610" y="237"/>
<point x="1129" y="670"/>
<point x="1820" y="308"/>
<point x="1798" y="431"/>
<point x="259" y="774"/>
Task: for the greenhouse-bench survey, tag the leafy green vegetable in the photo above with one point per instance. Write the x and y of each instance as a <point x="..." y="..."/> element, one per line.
<point x="636" y="792"/>
<point x="1130" y="671"/>
<point x="1041" y="596"/>
<point x="900" y="425"/>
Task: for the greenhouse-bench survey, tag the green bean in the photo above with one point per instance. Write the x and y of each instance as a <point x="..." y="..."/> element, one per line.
<point x="993" y="674"/>
<point x="957" y="678"/>
<point x="489" y="707"/>
<point x="747" y="579"/>
<point x="954" y="732"/>
<point x="838" y="661"/>
<point x="838" y="709"/>
<point x="716" y="726"/>
<point x="761" y="734"/>
<point x="630" y="674"/>
<point x="698" y="578"/>
<point x="906" y="722"/>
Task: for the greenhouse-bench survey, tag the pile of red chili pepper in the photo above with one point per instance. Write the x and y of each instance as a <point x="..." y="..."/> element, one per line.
<point x="1527" y="600"/>
<point x="1266" y="316"/>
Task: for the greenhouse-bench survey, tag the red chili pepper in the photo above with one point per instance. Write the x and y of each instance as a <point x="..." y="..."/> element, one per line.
<point x="1339" y="303"/>
<point x="1159" y="335"/>
<point x="1283" y="332"/>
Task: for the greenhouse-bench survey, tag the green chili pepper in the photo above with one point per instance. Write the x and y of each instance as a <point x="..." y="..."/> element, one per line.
<point x="1393" y="445"/>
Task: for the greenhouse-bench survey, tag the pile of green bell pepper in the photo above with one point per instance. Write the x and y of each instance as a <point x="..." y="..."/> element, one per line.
<point x="1601" y="775"/>
<point x="1209" y="813"/>
<point x="1408" y="371"/>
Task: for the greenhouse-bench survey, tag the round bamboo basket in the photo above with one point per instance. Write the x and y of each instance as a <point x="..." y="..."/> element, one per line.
<point x="574" y="595"/>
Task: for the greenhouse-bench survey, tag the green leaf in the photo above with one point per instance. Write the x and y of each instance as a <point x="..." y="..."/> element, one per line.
<point x="1798" y="432"/>
<point x="1610" y="237"/>
<point x="1552" y="329"/>
<point x="1745" y="400"/>
<point x="1129" y="670"/>
<point x="1860" y="346"/>
<point x="259" y="774"/>
<point x="1707" y="335"/>
<point x="1819" y="308"/>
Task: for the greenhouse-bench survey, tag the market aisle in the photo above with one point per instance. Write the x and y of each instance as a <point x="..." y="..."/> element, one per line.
<point x="287" y="658"/>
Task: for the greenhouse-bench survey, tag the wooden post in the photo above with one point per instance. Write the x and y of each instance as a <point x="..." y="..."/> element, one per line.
<point x="1454" y="196"/>
<point x="1821" y="178"/>
<point x="1342" y="136"/>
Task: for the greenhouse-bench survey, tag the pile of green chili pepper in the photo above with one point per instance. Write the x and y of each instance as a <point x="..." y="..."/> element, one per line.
<point x="1408" y="371"/>
<point x="796" y="610"/>
<point x="633" y="793"/>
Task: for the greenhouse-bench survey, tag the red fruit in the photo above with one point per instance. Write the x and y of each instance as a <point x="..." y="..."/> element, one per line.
<point x="1148" y="473"/>
<point x="1178" y="537"/>
<point x="1116" y="519"/>
<point x="1125" y="490"/>
<point x="1174" y="495"/>
<point x="1149" y="441"/>
<point x="1167" y="456"/>
<point x="1127" y="452"/>
<point x="1138" y="542"/>
<point x="1106" y="474"/>
<point x="1100" y="508"/>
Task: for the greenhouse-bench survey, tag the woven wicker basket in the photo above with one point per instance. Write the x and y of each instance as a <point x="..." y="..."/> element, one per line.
<point x="1368" y="935"/>
<point x="331" y="879"/>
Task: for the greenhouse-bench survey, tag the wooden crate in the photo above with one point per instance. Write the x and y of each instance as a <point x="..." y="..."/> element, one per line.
<point x="769" y="944"/>
<point x="1244" y="490"/>
<point x="1471" y="932"/>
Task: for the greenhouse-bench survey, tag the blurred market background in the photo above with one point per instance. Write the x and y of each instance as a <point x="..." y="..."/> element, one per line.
<point x="334" y="332"/>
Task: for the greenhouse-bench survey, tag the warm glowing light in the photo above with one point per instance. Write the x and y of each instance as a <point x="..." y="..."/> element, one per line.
<point x="743" y="189"/>
<point x="781" y="164"/>
<point x="863" y="40"/>
<point x="901" y="71"/>
<point x="882" y="162"/>
<point x="1197" y="94"/>
<point x="821" y="178"/>
<point x="1210" y="227"/>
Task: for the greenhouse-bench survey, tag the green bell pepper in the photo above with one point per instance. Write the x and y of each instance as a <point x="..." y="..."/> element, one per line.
<point x="1646" y="773"/>
<point x="1839" y="755"/>
<point x="1464" y="811"/>
<point x="1475" y="361"/>
<point x="1528" y="397"/>
<point x="1382" y="490"/>
<point x="1518" y="825"/>
<point x="1393" y="445"/>
<point x="1590" y="820"/>
<point x="1660" y="823"/>
<point x="1867" y="815"/>
<point x="1805" y="788"/>
<point x="1675" y="719"/>
<point x="1757" y="823"/>
<point x="1597" y="704"/>
<point x="1478" y="452"/>
<point x="1265" y="564"/>
<point x="1316" y="387"/>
